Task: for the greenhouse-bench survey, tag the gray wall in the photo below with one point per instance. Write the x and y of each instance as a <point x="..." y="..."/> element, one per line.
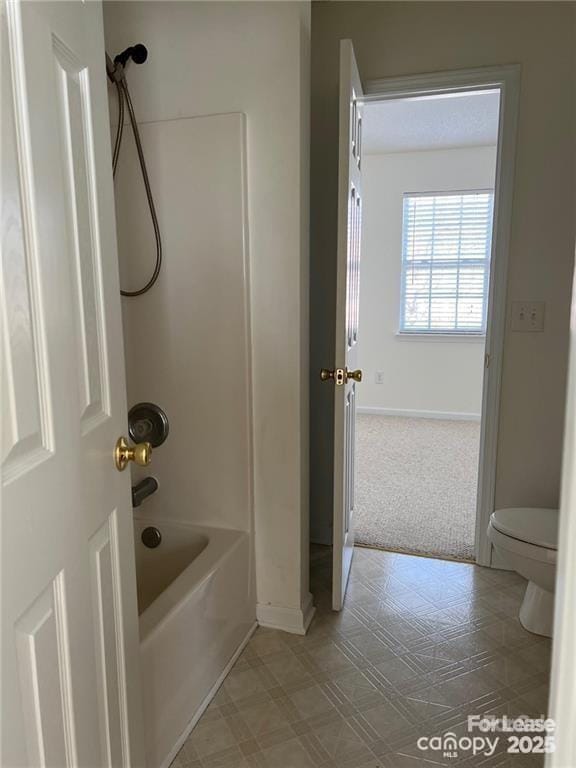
<point x="394" y="39"/>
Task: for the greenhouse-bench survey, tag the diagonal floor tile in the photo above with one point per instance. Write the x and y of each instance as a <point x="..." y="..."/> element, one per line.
<point x="419" y="646"/>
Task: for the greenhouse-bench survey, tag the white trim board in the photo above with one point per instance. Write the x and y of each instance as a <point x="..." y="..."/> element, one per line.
<point x="441" y="338"/>
<point x="414" y="414"/>
<point x="562" y="688"/>
<point x="506" y="79"/>
<point x="293" y="620"/>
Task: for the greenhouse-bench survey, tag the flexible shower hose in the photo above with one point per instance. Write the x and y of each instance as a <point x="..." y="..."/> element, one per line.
<point x="124" y="96"/>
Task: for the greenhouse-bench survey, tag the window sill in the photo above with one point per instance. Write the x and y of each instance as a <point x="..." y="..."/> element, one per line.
<point x="465" y="338"/>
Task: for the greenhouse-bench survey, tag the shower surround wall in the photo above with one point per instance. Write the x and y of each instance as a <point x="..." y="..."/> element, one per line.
<point x="205" y="59"/>
<point x="187" y="339"/>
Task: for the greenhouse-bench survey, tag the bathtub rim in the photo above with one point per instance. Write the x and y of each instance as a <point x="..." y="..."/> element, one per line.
<point x="221" y="543"/>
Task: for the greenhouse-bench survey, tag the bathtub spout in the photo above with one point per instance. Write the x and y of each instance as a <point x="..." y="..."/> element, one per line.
<point x="143" y="489"/>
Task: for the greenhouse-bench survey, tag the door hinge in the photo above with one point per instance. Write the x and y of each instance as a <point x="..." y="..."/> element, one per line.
<point x="487" y="360"/>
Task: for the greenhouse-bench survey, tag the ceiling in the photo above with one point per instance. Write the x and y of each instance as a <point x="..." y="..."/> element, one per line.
<point x="431" y="122"/>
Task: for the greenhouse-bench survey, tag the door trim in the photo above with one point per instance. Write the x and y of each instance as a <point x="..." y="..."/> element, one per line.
<point x="506" y="79"/>
<point x="562" y="689"/>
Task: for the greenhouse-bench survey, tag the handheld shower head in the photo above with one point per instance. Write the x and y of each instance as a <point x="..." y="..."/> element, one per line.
<point x="138" y="53"/>
<point x="116" y="72"/>
<point x="115" y="69"/>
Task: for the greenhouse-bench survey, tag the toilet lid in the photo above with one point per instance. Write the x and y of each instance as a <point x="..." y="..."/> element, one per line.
<point x="535" y="526"/>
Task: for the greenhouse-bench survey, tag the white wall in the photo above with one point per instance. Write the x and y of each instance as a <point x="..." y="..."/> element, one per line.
<point x="420" y="375"/>
<point x="393" y="39"/>
<point x="209" y="58"/>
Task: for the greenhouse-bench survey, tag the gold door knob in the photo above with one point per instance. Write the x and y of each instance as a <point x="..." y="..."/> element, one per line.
<point x="140" y="454"/>
<point x="356" y="375"/>
<point x="340" y="375"/>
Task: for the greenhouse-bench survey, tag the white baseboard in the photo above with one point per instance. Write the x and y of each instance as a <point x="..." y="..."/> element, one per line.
<point x="293" y="620"/>
<point x="206" y="701"/>
<point x="414" y="414"/>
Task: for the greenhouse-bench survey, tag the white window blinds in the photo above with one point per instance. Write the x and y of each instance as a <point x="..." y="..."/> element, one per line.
<point x="446" y="262"/>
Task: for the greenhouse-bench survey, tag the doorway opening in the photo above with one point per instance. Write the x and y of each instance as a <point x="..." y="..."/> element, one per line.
<point x="429" y="174"/>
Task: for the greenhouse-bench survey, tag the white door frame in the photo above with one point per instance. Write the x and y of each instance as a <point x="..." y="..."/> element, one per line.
<point x="563" y="690"/>
<point x="506" y="79"/>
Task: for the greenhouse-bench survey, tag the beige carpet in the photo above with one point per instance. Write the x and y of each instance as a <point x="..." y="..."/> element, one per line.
<point x="416" y="485"/>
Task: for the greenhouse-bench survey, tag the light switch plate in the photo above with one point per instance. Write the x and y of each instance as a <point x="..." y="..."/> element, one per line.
<point x="380" y="377"/>
<point x="528" y="316"/>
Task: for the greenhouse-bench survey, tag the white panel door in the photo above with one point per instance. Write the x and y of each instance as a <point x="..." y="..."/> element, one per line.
<point x="345" y="376"/>
<point x="70" y="686"/>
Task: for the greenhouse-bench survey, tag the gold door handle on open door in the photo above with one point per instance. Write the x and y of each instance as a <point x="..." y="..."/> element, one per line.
<point x="340" y="375"/>
<point x="140" y="454"/>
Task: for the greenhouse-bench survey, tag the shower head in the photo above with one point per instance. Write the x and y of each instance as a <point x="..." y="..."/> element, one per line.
<point x="138" y="53"/>
<point x="115" y="69"/>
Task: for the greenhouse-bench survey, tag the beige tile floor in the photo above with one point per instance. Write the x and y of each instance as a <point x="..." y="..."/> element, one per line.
<point x="419" y="646"/>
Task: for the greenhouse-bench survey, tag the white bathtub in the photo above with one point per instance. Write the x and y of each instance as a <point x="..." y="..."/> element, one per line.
<point x="197" y="609"/>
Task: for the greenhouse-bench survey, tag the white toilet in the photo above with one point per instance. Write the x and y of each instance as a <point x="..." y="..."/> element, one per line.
<point x="527" y="540"/>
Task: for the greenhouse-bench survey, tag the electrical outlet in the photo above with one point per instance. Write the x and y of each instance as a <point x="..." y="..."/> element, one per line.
<point x="380" y="377"/>
<point x="528" y="316"/>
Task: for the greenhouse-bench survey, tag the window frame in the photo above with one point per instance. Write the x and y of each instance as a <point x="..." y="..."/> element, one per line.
<point x="424" y="334"/>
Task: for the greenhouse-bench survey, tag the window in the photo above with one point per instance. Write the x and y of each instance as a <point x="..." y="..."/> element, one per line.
<point x="446" y="243"/>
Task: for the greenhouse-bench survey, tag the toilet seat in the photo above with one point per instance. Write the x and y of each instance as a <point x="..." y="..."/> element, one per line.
<point x="519" y="547"/>
<point x="535" y="527"/>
